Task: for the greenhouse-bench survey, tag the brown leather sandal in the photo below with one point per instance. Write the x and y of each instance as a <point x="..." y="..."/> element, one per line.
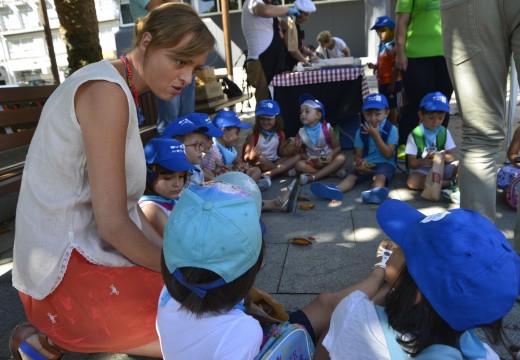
<point x="17" y="343"/>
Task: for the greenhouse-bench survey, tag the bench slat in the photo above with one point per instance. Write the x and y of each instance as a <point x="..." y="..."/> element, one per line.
<point x="26" y="93"/>
<point x="20" y="116"/>
<point x="15" y="140"/>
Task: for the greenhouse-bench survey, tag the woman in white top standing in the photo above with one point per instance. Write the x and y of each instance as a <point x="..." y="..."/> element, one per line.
<point x="86" y="260"/>
<point x="330" y="46"/>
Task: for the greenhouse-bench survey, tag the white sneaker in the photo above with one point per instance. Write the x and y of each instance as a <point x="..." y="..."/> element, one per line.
<point x="264" y="183"/>
<point x="306" y="178"/>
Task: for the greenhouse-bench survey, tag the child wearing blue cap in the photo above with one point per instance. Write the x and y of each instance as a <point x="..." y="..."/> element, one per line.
<point x="262" y="146"/>
<point x="321" y="154"/>
<point x="166" y="176"/>
<point x="223" y="156"/>
<point x="191" y="130"/>
<point x="428" y="138"/>
<point x="453" y="271"/>
<point x="374" y="155"/>
<point x="389" y="81"/>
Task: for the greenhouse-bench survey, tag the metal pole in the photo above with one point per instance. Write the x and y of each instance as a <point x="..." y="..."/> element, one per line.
<point x="48" y="38"/>
<point x="513" y="94"/>
<point x="224" y="7"/>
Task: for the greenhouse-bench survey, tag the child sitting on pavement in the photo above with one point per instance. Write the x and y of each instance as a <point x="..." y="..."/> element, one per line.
<point x="223" y="156"/>
<point x="429" y="138"/>
<point x="388" y="77"/>
<point x="453" y="272"/>
<point x="263" y="144"/>
<point x="374" y="155"/>
<point x="322" y="152"/>
<point x="166" y="175"/>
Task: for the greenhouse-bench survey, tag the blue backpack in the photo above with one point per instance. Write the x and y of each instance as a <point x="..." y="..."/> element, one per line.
<point x="287" y="341"/>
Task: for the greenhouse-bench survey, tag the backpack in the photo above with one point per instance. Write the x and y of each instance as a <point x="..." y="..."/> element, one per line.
<point x="418" y="137"/>
<point x="288" y="342"/>
<point x="387" y="128"/>
<point x="505" y="175"/>
<point x="512" y="192"/>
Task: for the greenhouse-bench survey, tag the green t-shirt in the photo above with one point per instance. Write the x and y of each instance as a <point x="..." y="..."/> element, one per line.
<point x="138" y="8"/>
<point x="424" y="33"/>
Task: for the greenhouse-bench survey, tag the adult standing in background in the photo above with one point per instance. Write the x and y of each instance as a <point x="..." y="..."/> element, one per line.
<point x="420" y="56"/>
<point x="182" y="105"/>
<point x="479" y="38"/>
<point x="265" y="45"/>
<point x="305" y="7"/>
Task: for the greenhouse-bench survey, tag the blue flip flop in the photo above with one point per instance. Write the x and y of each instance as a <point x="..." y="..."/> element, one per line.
<point x="374" y="196"/>
<point x="326" y="191"/>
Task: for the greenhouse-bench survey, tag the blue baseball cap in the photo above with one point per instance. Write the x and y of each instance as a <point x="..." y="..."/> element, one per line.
<point x="375" y="101"/>
<point x="182" y="126"/>
<point x="169" y="153"/>
<point x="213" y="226"/>
<point x="383" y="21"/>
<point x="227" y="118"/>
<point x="267" y="108"/>
<point x="435" y="101"/>
<point x="309" y="100"/>
<point x="461" y="262"/>
<point x="203" y="120"/>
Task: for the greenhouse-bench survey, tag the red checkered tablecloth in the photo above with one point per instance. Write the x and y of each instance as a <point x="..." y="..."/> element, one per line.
<point x="321" y="76"/>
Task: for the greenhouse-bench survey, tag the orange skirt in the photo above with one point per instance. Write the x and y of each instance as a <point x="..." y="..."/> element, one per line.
<point x="98" y="308"/>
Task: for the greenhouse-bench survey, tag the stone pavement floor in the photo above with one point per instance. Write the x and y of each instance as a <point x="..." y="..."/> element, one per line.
<point x="343" y="253"/>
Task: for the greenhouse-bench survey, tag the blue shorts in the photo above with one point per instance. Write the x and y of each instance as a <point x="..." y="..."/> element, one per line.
<point x="386" y="169"/>
<point x="395" y="100"/>
<point x="299" y="317"/>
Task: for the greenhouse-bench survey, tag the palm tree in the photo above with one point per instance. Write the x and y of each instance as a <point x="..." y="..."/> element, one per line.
<point x="80" y="32"/>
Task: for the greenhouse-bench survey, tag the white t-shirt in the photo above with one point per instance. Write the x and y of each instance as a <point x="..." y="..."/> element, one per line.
<point x="356" y="333"/>
<point x="411" y="147"/>
<point x="257" y="30"/>
<point x="337" y="50"/>
<point x="233" y="335"/>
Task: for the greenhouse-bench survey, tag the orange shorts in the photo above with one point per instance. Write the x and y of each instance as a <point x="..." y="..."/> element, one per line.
<point x="98" y="308"/>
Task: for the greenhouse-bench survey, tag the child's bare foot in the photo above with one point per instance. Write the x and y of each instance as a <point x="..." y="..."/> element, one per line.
<point x="385" y="249"/>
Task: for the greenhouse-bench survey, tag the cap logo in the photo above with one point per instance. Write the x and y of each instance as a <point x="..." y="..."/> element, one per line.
<point x="376" y="98"/>
<point x="269" y="105"/>
<point x="177" y="148"/>
<point x="435" y="217"/>
<point x="185" y="122"/>
<point x="439" y="98"/>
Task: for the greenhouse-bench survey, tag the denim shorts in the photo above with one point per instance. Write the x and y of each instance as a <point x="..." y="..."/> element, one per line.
<point x="386" y="169"/>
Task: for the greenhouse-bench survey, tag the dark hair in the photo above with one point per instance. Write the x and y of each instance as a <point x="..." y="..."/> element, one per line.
<point x="418" y="320"/>
<point x="216" y="301"/>
<point x="278" y="124"/>
<point x="152" y="172"/>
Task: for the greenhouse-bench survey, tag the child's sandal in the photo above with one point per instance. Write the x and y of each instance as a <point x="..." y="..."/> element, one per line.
<point x="18" y="343"/>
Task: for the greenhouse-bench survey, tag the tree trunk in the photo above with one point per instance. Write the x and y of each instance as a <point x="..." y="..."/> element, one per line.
<point x="80" y="31"/>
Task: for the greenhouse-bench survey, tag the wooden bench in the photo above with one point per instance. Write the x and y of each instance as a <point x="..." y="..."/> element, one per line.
<point x="22" y="107"/>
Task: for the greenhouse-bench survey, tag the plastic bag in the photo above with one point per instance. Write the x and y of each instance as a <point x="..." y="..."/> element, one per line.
<point x="292" y="35"/>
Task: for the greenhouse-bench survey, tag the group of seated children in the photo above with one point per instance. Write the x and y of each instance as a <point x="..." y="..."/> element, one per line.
<point x="213" y="250"/>
<point x="375" y="143"/>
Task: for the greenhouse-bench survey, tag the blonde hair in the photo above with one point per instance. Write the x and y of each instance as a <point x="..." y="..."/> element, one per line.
<point x="324" y="37"/>
<point x="168" y="24"/>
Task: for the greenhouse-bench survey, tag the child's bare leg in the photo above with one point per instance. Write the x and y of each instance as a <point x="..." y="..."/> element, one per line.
<point x="415" y="181"/>
<point x="264" y="164"/>
<point x="348" y="183"/>
<point x="304" y="167"/>
<point x="255" y="173"/>
<point x="379" y="180"/>
<point x="331" y="168"/>
<point x="283" y="165"/>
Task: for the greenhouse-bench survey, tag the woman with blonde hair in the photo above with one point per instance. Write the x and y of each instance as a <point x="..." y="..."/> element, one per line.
<point x="86" y="260"/>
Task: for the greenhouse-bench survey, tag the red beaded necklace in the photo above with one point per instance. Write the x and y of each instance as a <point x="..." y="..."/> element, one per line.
<point x="128" y="73"/>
